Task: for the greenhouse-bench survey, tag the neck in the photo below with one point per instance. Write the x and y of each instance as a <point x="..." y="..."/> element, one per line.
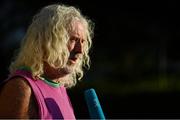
<point x="53" y="79"/>
<point x="50" y="82"/>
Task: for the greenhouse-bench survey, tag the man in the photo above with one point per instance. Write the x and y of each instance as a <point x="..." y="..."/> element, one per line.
<point x="52" y="56"/>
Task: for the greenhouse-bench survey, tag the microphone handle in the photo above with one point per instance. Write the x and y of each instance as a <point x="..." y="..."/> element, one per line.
<point x="93" y="104"/>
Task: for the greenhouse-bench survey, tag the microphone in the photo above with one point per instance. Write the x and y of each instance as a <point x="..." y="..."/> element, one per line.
<point x="93" y="104"/>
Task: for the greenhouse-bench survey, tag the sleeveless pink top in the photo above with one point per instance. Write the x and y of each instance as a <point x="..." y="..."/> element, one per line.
<point x="53" y="102"/>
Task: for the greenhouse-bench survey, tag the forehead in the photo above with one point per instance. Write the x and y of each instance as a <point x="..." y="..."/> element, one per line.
<point x="77" y="29"/>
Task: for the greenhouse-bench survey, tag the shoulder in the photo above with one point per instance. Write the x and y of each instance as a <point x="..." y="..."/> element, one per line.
<point x="16" y="84"/>
<point x="14" y="98"/>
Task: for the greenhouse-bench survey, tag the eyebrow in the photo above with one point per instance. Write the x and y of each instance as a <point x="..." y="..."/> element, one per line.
<point x="75" y="37"/>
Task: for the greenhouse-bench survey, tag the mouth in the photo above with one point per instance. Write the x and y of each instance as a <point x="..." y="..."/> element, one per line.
<point x="73" y="60"/>
<point x="74" y="57"/>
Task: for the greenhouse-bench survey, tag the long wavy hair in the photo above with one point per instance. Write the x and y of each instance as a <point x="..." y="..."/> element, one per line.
<point x="46" y="40"/>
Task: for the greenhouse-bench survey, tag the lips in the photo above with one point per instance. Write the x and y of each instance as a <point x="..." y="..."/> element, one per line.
<point x="74" y="56"/>
<point x="73" y="59"/>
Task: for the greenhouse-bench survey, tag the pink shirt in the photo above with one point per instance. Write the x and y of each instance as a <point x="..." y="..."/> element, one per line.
<point x="53" y="102"/>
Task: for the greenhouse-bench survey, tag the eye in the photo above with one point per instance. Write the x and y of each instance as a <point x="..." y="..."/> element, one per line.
<point x="82" y="41"/>
<point x="74" y="39"/>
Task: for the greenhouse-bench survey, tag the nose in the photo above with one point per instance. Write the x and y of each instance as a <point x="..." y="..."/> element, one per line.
<point x="78" y="47"/>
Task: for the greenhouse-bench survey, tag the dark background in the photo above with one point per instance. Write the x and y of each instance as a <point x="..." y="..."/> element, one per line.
<point x="135" y="56"/>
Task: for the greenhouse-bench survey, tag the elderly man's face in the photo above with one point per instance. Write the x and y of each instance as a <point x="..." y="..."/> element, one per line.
<point x="76" y="42"/>
<point x="75" y="47"/>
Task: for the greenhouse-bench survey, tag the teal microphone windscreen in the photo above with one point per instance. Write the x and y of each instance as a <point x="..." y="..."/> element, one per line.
<point x="93" y="104"/>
